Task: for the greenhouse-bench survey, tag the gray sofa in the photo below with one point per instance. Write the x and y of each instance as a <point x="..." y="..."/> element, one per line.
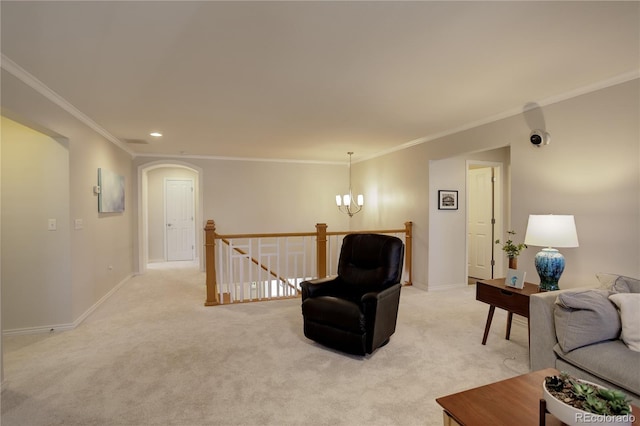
<point x="579" y="331"/>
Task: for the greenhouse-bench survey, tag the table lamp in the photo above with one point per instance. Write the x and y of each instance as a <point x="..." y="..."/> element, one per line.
<point x="550" y="231"/>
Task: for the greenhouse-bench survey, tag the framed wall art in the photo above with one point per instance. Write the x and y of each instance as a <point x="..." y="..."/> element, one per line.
<point x="111" y="193"/>
<point x="447" y="199"/>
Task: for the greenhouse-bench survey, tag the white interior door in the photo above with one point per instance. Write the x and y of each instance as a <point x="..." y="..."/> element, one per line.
<point x="480" y="226"/>
<point x="179" y="219"/>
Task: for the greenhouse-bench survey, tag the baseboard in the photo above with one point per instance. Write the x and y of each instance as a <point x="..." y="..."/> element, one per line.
<point x="444" y="287"/>
<point x="95" y="306"/>
<point x="68" y="326"/>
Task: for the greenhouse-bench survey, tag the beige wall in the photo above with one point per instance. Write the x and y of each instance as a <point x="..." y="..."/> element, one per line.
<point x="448" y="228"/>
<point x="591" y="169"/>
<point x="263" y="196"/>
<point x="1" y="338"/>
<point x="36" y="282"/>
<point x="101" y="253"/>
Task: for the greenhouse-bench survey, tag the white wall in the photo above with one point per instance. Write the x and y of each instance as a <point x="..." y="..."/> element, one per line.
<point x="591" y="169"/>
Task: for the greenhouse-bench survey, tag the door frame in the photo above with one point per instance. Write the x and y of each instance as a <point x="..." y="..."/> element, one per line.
<point x="193" y="223"/>
<point x="143" y="209"/>
<point x="498" y="209"/>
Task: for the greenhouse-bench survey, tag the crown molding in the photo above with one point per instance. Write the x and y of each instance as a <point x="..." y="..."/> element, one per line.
<point x="30" y="80"/>
<point x="254" y="159"/>
<point x="16" y="70"/>
<point x="619" y="79"/>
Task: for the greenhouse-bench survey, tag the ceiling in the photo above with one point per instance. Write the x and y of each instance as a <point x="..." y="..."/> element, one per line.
<point x="309" y="81"/>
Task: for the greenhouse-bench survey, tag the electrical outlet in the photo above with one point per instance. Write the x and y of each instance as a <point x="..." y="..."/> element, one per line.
<point x="78" y="224"/>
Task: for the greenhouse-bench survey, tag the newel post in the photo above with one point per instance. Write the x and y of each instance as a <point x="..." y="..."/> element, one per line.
<point x="408" y="249"/>
<point x="321" y="249"/>
<point x="210" y="264"/>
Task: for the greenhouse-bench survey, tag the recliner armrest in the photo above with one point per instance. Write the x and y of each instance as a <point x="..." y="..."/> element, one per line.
<point x="319" y="287"/>
<point x="378" y="295"/>
<point x="381" y="312"/>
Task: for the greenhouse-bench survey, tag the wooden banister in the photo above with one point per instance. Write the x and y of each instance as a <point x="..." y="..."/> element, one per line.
<point x="321" y="234"/>
<point x="210" y="264"/>
<point x="321" y="249"/>
<point x="408" y="252"/>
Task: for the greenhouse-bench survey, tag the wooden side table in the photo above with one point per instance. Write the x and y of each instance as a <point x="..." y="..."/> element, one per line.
<point x="498" y="295"/>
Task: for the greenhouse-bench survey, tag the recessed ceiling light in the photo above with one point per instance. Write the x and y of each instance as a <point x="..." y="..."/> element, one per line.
<point x="155" y="134"/>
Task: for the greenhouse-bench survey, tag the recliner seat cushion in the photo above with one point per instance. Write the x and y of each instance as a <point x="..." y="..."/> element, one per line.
<point x="335" y="312"/>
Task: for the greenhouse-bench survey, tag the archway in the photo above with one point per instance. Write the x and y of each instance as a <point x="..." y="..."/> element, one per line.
<point x="143" y="208"/>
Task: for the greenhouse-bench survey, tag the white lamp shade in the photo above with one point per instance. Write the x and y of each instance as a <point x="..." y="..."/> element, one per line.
<point x="339" y="200"/>
<point x="551" y="231"/>
<point x="360" y="200"/>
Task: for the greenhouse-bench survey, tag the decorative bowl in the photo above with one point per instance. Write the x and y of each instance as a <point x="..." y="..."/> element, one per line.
<point x="575" y="417"/>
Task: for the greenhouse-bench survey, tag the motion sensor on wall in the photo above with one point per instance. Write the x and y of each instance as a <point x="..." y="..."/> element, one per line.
<point x="539" y="138"/>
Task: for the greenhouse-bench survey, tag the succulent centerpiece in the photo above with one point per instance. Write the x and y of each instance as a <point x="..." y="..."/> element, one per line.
<point x="575" y="401"/>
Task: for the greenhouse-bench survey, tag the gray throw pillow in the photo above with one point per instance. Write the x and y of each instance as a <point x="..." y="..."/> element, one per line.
<point x="584" y="317"/>
<point x="627" y="285"/>
<point x="618" y="283"/>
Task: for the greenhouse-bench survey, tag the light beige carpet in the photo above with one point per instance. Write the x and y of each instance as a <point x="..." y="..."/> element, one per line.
<point x="154" y="355"/>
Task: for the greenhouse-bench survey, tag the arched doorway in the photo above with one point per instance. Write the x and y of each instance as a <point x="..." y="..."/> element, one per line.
<point x="151" y="223"/>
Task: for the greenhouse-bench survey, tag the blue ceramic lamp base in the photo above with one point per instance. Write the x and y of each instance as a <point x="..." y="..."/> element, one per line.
<point x="550" y="265"/>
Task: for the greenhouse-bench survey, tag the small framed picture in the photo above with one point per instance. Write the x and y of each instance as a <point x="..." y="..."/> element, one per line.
<point x="447" y="200"/>
<point x="515" y="278"/>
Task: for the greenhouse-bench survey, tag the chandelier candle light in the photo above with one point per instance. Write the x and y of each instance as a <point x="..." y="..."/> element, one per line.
<point x="346" y="203"/>
<point x="547" y="231"/>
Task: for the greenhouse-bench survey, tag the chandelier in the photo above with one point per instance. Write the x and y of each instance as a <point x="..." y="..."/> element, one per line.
<point x="346" y="203"/>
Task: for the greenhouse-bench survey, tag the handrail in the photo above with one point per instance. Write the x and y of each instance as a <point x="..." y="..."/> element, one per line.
<point x="321" y="234"/>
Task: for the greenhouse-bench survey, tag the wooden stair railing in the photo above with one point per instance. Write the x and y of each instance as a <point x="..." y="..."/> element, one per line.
<point x="321" y="234"/>
<point x="255" y="262"/>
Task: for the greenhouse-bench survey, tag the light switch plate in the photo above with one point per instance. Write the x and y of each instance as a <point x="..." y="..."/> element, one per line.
<point x="78" y="224"/>
<point x="53" y="225"/>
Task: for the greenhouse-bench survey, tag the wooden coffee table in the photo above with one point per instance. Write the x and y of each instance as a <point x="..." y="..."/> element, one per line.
<point x="498" y="295"/>
<point x="514" y="401"/>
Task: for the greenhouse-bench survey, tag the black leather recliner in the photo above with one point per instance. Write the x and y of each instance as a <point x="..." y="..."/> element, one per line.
<point x="356" y="311"/>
